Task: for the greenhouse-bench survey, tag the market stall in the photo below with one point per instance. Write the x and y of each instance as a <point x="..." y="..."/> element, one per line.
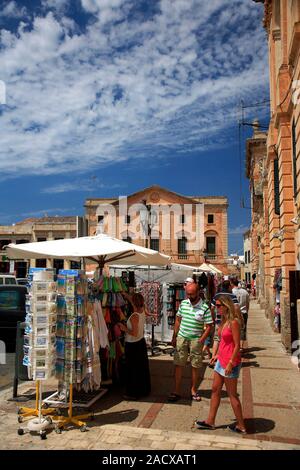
<point x="102" y="250"/>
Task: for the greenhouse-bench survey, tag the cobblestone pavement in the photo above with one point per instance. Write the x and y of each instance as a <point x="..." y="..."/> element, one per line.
<point x="269" y="389"/>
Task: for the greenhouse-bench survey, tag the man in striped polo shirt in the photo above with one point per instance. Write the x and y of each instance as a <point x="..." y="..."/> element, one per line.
<point x="188" y="338"/>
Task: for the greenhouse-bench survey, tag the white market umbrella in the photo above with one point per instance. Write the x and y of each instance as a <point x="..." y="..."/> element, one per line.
<point x="101" y="249"/>
<point x="209" y="268"/>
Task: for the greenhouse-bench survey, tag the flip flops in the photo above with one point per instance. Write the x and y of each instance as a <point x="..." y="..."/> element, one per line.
<point x="204" y="425"/>
<point x="196" y="396"/>
<point x="173" y="397"/>
<point x="234" y="428"/>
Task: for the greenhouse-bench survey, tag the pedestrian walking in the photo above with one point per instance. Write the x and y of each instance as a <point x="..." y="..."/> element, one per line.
<point x="225" y="289"/>
<point x="227" y="367"/>
<point x="189" y="337"/>
<point x="137" y="377"/>
<point x="244" y="303"/>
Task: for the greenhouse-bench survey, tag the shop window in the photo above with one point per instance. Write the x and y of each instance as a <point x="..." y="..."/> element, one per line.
<point x="154" y="244"/>
<point x="210" y="218"/>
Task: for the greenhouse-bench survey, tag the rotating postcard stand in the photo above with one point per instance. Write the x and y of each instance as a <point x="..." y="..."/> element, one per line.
<point x="39" y="343"/>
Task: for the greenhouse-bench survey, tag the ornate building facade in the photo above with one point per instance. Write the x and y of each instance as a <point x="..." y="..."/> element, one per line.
<point x="276" y="205"/>
<point x="187" y="228"/>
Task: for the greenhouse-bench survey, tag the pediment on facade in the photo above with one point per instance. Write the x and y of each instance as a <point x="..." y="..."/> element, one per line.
<point x="156" y="195"/>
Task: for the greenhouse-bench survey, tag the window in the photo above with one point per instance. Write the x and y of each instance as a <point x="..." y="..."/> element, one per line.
<point x="210" y="219"/>
<point x="75" y="265"/>
<point x="10" y="300"/>
<point x="100" y="219"/>
<point x="42" y="239"/>
<point x="276" y="187"/>
<point x="294" y="158"/>
<point x="182" y="246"/>
<point x="246" y="257"/>
<point x="211" y="245"/>
<point x="3" y="243"/>
<point x="18" y="242"/>
<point x="249" y="259"/>
<point x="58" y="264"/>
<point x="127" y="219"/>
<point x="154" y="244"/>
<point x="127" y="239"/>
<point x="182" y="219"/>
<point x="41" y="263"/>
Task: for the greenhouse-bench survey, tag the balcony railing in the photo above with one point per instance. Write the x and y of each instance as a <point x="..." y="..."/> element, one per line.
<point x="210" y="256"/>
<point x="182" y="256"/>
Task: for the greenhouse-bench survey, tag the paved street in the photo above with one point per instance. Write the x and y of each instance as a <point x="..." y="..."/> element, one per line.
<point x="269" y="389"/>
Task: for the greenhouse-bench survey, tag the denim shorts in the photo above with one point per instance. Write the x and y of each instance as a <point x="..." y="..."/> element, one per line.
<point x="234" y="373"/>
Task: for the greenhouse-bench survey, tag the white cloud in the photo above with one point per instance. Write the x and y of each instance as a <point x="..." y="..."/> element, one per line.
<point x="79" y="185"/>
<point x="12" y="10"/>
<point x="142" y="86"/>
<point x="240" y="230"/>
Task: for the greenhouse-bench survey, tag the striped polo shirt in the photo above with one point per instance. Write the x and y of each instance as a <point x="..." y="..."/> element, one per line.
<point x="193" y="318"/>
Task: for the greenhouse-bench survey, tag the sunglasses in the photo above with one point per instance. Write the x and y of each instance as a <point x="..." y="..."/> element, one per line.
<point x="219" y="305"/>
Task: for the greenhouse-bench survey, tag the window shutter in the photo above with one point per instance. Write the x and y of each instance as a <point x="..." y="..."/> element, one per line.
<point x="276" y="187"/>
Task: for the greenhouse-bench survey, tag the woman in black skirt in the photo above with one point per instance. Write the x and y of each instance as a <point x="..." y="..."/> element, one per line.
<point x="137" y="373"/>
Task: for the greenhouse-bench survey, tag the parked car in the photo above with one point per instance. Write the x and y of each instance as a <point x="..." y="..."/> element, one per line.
<point x="8" y="279"/>
<point x="12" y="310"/>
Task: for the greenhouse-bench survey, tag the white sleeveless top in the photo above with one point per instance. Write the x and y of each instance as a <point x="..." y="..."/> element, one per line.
<point x="140" y="335"/>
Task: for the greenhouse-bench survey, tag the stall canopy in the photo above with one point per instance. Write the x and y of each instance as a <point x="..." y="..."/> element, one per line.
<point x="101" y="249"/>
<point x="209" y="268"/>
<point x="169" y="274"/>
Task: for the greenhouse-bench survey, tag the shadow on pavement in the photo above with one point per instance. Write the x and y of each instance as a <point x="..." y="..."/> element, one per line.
<point x="253" y="349"/>
<point x="259" y="425"/>
<point x="250" y="364"/>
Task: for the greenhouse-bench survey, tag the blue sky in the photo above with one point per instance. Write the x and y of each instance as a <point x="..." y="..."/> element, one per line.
<point x="106" y="97"/>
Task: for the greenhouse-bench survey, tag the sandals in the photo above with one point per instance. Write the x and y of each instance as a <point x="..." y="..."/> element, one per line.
<point x="173" y="397"/>
<point x="196" y="396"/>
<point x="234" y="428"/>
<point x="204" y="425"/>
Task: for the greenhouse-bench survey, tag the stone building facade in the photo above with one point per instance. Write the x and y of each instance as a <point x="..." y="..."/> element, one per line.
<point x="34" y="230"/>
<point x="276" y="218"/>
<point x="187" y="228"/>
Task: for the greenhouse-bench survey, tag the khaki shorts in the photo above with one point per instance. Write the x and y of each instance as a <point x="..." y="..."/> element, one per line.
<point x="188" y="347"/>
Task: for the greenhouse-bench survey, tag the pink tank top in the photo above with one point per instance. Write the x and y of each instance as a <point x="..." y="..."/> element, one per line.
<point x="226" y="348"/>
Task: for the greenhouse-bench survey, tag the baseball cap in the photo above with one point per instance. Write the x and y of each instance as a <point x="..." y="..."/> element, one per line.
<point x="189" y="279"/>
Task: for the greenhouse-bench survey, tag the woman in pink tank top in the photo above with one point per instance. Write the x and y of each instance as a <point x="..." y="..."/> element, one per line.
<point x="227" y="367"/>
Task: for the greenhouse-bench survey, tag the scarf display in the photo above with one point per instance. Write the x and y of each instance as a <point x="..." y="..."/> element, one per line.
<point x="152" y="293"/>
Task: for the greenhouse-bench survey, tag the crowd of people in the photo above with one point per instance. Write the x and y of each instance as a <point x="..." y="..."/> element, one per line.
<point x="199" y="326"/>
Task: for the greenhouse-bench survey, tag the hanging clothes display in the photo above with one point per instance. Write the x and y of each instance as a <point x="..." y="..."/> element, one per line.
<point x="105" y="293"/>
<point x="152" y="293"/>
